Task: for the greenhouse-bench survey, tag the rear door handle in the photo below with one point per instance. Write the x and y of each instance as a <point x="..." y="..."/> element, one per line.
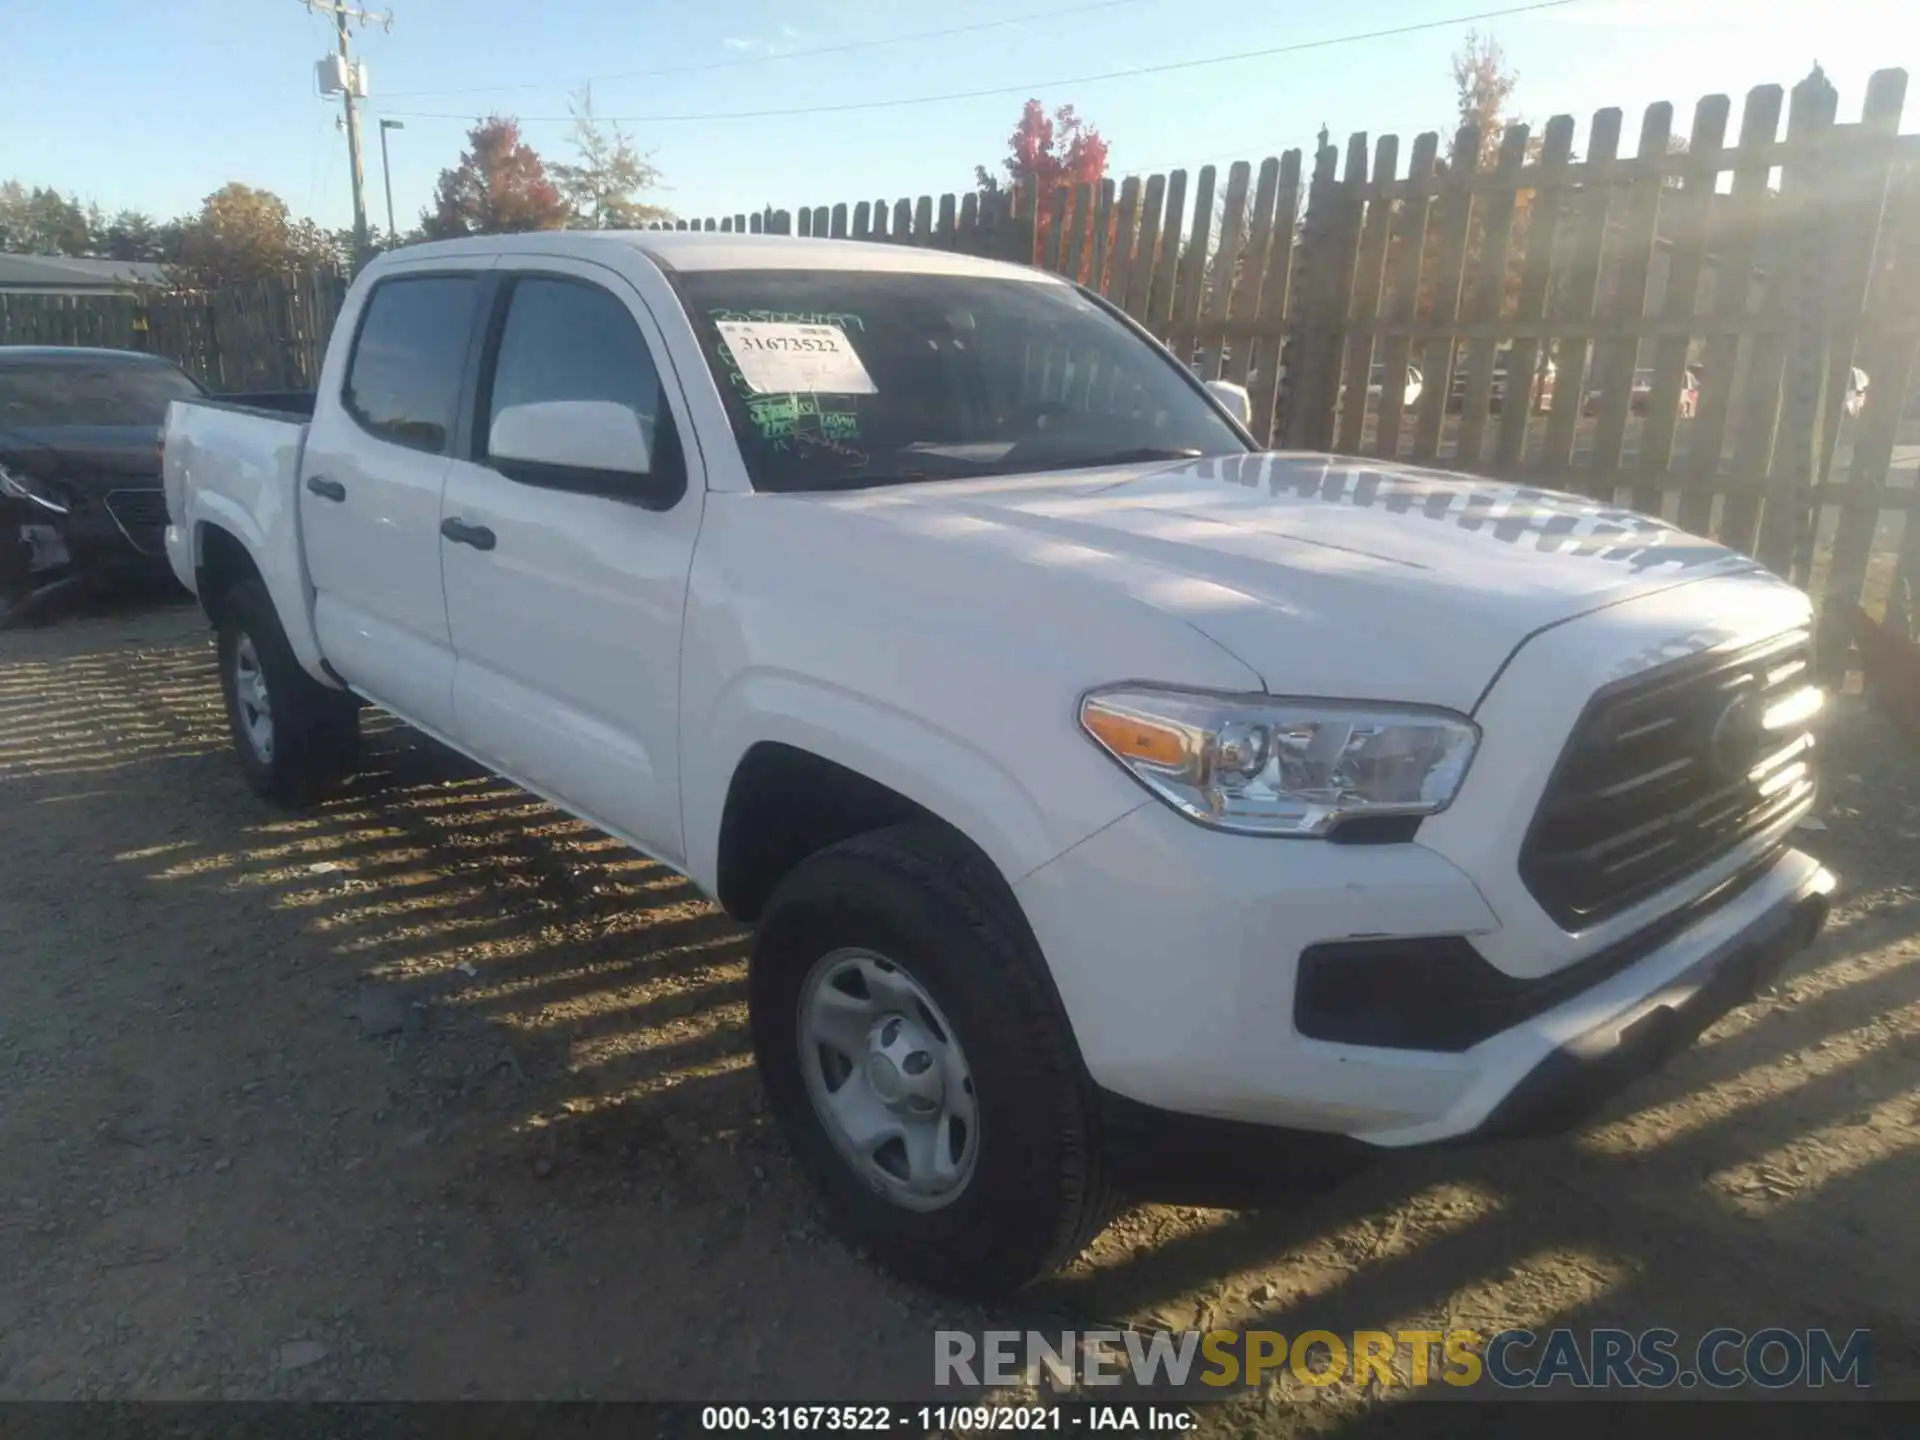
<point x="326" y="489"/>
<point x="461" y="533"/>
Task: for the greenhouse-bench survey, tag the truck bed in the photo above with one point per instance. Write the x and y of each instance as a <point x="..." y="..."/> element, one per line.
<point x="280" y="404"/>
<point x="224" y="453"/>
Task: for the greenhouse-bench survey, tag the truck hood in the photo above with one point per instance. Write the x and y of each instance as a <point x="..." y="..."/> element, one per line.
<point x="1357" y="579"/>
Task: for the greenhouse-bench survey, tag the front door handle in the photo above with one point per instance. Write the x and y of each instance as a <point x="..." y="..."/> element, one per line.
<point x="461" y="533"/>
<point x="326" y="489"/>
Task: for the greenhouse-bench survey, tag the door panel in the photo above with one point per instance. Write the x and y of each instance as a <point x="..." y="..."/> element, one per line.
<point x="370" y="485"/>
<point x="566" y="633"/>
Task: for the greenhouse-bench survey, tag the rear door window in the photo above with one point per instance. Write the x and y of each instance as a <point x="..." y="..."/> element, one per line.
<point x="403" y="382"/>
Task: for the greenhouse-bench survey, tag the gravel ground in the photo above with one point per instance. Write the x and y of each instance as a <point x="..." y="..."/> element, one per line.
<point x="438" y="1094"/>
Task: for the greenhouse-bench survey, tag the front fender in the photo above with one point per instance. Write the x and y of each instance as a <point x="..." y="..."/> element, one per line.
<point x="936" y="768"/>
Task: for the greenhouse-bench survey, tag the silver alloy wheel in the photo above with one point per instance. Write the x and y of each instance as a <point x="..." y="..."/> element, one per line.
<point x="251" y="698"/>
<point x="888" y="1079"/>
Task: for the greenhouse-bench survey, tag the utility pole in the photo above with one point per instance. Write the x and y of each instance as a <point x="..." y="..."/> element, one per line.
<point x="342" y="11"/>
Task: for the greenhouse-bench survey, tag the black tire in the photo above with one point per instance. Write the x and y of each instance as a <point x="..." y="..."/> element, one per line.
<point x="1037" y="1193"/>
<point x="315" y="736"/>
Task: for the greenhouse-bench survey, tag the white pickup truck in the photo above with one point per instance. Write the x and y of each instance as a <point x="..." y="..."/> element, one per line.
<point x="1121" y="808"/>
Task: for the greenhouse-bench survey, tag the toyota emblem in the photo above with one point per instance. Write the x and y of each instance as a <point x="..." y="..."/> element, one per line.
<point x="1736" y="739"/>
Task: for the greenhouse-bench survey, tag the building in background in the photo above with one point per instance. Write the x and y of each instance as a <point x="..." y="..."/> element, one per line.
<point x="65" y="275"/>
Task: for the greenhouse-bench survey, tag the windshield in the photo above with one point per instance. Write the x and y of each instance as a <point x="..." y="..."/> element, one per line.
<point x="66" y="392"/>
<point x="836" y="379"/>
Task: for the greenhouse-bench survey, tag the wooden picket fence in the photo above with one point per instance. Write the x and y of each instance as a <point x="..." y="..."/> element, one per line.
<point x="1766" y="269"/>
<point x="971" y="224"/>
<point x="1631" y="273"/>
<point x="268" y="335"/>
<point x="1528" y="283"/>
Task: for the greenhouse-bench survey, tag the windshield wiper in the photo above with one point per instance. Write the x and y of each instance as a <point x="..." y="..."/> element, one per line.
<point x="1136" y="455"/>
<point x="857" y="481"/>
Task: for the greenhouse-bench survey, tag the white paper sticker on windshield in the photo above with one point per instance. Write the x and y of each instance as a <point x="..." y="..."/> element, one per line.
<point x="776" y="359"/>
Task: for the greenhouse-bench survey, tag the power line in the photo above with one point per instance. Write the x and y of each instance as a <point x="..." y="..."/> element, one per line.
<point x="743" y="60"/>
<point x="1032" y="86"/>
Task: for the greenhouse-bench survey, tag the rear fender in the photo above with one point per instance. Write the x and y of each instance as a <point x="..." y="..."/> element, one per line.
<point x="272" y="543"/>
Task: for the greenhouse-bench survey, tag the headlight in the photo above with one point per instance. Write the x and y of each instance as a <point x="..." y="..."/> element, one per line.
<point x="34" y="491"/>
<point x="1264" y="766"/>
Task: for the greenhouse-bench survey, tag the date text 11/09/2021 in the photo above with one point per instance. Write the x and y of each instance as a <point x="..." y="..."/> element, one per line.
<point x="942" y="1419"/>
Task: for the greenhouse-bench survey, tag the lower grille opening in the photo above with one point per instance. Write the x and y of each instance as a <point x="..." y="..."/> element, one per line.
<point x="1439" y="993"/>
<point x="1423" y="994"/>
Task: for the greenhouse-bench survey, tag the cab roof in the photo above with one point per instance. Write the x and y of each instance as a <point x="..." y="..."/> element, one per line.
<point x="691" y="250"/>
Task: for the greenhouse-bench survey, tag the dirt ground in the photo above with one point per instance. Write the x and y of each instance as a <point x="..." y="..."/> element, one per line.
<point x="438" y="1094"/>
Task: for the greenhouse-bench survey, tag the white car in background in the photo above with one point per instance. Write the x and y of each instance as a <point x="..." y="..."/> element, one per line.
<point x="1856" y="396"/>
<point x="1376" y="384"/>
<point x="1377" y="379"/>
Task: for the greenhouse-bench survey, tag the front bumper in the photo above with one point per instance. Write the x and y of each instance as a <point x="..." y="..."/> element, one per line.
<point x="1586" y="1071"/>
<point x="1203" y="1160"/>
<point x="44" y="557"/>
<point x="98" y="544"/>
<point x="1176" y="951"/>
<point x="90" y="541"/>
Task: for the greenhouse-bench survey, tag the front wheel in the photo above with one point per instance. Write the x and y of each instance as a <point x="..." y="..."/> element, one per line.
<point x="920" y="1067"/>
<point x="296" y="739"/>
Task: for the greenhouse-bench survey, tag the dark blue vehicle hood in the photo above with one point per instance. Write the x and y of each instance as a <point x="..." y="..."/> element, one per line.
<point x="92" y="459"/>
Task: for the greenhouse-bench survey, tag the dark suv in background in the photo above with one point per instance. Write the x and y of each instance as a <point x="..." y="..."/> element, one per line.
<point x="80" y="494"/>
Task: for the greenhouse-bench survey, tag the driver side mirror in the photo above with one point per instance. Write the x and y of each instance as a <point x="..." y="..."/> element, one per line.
<point x="1234" y="397"/>
<point x="596" y="446"/>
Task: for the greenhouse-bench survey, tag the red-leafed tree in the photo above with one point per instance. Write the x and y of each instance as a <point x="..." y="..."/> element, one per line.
<point x="1048" y="151"/>
<point x="500" y="186"/>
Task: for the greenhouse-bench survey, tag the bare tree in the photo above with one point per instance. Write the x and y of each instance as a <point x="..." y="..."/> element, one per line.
<point x="604" y="189"/>
<point x="1483" y="83"/>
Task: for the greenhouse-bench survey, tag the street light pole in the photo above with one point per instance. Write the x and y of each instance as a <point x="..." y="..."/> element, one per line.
<point x="386" y="174"/>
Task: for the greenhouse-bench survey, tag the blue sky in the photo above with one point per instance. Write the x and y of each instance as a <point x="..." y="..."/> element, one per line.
<point x="152" y="106"/>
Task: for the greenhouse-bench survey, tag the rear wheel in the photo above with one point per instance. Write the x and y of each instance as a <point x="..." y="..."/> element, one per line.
<point x="921" y="1068"/>
<point x="296" y="739"/>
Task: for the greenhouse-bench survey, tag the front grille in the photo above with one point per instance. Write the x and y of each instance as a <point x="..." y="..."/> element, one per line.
<point x="1667" y="772"/>
<point x="141" y="516"/>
